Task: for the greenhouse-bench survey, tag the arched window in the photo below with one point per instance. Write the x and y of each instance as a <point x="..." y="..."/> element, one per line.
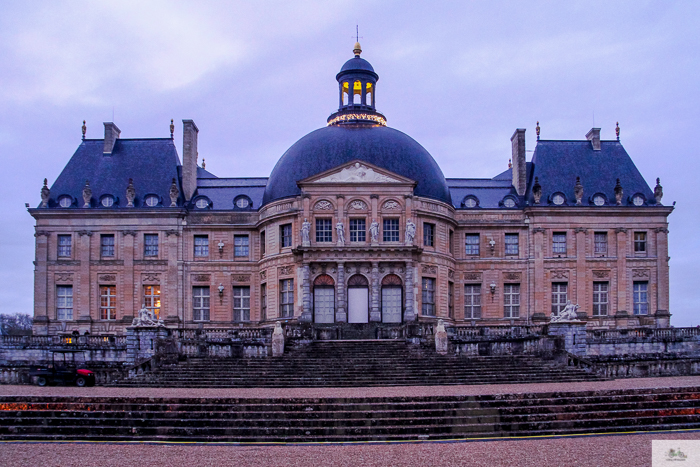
<point x="324" y="299"/>
<point x="392" y="299"/>
<point x="357" y="93"/>
<point x="358" y="299"/>
<point x="346" y="92"/>
<point x="368" y="94"/>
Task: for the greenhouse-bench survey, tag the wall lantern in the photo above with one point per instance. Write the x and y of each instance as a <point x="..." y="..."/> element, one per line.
<point x="493" y="288"/>
<point x="492" y="244"/>
<point x="221" y="290"/>
<point x="221" y="247"/>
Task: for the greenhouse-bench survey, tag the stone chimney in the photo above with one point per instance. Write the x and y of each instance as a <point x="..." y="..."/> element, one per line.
<point x="519" y="168"/>
<point x="594" y="137"/>
<point x="189" y="158"/>
<point x="111" y="136"/>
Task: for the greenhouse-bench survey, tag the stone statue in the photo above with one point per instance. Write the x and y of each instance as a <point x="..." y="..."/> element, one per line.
<point x="618" y="192"/>
<point x="278" y="340"/>
<point x="410" y="232"/>
<point x="567" y="314"/>
<point x="441" y="338"/>
<point x="340" y="231"/>
<point x="45" y="193"/>
<point x="578" y="191"/>
<point x="374" y="231"/>
<point x="146" y="318"/>
<point x="87" y="194"/>
<point x="658" y="191"/>
<point x="174" y="193"/>
<point x="305" y="229"/>
<point x="130" y="194"/>
<point x="537" y="191"/>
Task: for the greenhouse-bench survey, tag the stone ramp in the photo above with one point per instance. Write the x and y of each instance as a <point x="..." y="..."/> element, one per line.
<point x="338" y="419"/>
<point x="357" y="364"/>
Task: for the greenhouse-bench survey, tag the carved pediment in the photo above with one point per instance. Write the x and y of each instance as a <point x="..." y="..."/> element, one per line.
<point x="357" y="172"/>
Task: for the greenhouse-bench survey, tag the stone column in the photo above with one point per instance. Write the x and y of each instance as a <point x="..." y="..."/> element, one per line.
<point x="621" y="291"/>
<point x="409" y="312"/>
<point x="82" y="293"/>
<point x="662" y="302"/>
<point x="580" y="281"/>
<point x="131" y="283"/>
<point x="539" y="273"/>
<point x="341" y="314"/>
<point x="375" y="314"/>
<point x="171" y="305"/>
<point x="306" y="315"/>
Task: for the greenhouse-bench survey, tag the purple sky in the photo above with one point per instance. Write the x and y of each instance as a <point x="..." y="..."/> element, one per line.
<point x="459" y="77"/>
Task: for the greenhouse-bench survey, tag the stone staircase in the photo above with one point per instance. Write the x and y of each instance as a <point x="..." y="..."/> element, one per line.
<point x="356" y="364"/>
<point x="42" y="418"/>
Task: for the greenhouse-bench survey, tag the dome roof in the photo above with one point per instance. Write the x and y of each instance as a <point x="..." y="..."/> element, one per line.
<point x="333" y="146"/>
<point x="357" y="63"/>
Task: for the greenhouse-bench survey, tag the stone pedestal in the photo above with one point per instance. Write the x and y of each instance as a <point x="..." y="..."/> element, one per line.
<point x="573" y="333"/>
<point x="441" y="338"/>
<point x="141" y="342"/>
<point x="663" y="318"/>
<point x="622" y="319"/>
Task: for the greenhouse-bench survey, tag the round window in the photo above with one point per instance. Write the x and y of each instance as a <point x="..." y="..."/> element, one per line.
<point x="509" y="202"/>
<point x="470" y="202"/>
<point x="242" y="202"/>
<point x="151" y="201"/>
<point x="598" y="200"/>
<point x="558" y="199"/>
<point x="638" y="200"/>
<point x="65" y="201"/>
<point x="202" y="203"/>
<point x="107" y="201"/>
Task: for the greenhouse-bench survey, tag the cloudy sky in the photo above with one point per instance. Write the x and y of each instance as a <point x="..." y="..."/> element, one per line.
<point x="459" y="77"/>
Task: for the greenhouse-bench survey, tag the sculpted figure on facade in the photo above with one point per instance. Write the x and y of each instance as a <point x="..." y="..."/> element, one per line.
<point x="578" y="191"/>
<point x="305" y="229"/>
<point x="658" y="191"/>
<point x="45" y="193"/>
<point x="567" y="314"/>
<point x="87" y="194"/>
<point x="537" y="191"/>
<point x="130" y="194"/>
<point x="374" y="231"/>
<point x="174" y="193"/>
<point x="410" y="232"/>
<point x="146" y="318"/>
<point x="340" y="231"/>
<point x="618" y="192"/>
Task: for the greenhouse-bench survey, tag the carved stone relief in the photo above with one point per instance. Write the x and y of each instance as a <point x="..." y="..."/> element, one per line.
<point x="472" y="276"/>
<point x="512" y="276"/>
<point x="323" y="206"/>
<point x="201" y="278"/>
<point x="450" y="274"/>
<point x="640" y="273"/>
<point x="285" y="270"/>
<point x="391" y="205"/>
<point x="107" y="277"/>
<point x="150" y="278"/>
<point x="357" y="173"/>
<point x="429" y="270"/>
<point x="559" y="274"/>
<point x="172" y="232"/>
<point x="358" y="205"/>
<point x="601" y="274"/>
<point x="64" y="277"/>
<point x="263" y="275"/>
<point x="240" y="278"/>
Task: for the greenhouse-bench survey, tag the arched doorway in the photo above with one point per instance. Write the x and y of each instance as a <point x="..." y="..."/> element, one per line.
<point x="324" y="299"/>
<point x="358" y="299"/>
<point x="392" y="295"/>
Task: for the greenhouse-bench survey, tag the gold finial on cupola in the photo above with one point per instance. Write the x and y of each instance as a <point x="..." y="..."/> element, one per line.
<point x="84" y="129"/>
<point x="537" y="130"/>
<point x="172" y="128"/>
<point x="617" y="130"/>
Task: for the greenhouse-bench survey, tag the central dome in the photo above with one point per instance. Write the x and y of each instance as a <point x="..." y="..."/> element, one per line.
<point x="356" y="131"/>
<point x="333" y="146"/>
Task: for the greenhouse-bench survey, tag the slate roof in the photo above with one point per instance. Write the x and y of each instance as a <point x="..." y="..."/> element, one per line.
<point x="556" y="164"/>
<point x="223" y="191"/>
<point x="151" y="163"/>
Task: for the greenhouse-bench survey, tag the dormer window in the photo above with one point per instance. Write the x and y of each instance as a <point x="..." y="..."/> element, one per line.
<point x="638" y="199"/>
<point x="107" y="201"/>
<point x="151" y="201"/>
<point x="65" y="201"/>
<point x="202" y="203"/>
<point x="471" y="202"/>
<point x="242" y="202"/>
<point x="599" y="199"/>
<point x="509" y="202"/>
<point x="558" y="199"/>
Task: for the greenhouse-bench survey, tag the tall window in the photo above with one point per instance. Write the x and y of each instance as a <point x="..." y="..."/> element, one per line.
<point x="452" y="242"/>
<point x="600" y="241"/>
<point x="241" y="304"/>
<point x="511" y="244"/>
<point x="150" y="245"/>
<point x="358" y="230"/>
<point x="108" y="302"/>
<point x="511" y="300"/>
<point x="428" y="234"/>
<point x="263" y="243"/>
<point x="200" y="303"/>
<point x="263" y="302"/>
<point x="472" y="301"/>
<point x="107" y="246"/>
<point x="640" y="299"/>
<point x="64" y="302"/>
<point x="472" y="245"/>
<point x="600" y="299"/>
<point x="450" y="299"/>
<point x="286" y="235"/>
<point x="287" y="298"/>
<point x="390" y="232"/>
<point x="240" y="246"/>
<point x="428" y="296"/>
<point x="559" y="295"/>
<point x="324" y="231"/>
<point x="64" y="246"/>
<point x="151" y="298"/>
<point x="201" y="245"/>
<point x="640" y="242"/>
<point x="559" y="243"/>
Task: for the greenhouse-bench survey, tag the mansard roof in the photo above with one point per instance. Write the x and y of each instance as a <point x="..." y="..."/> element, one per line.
<point x="556" y="164"/>
<point x="151" y="163"/>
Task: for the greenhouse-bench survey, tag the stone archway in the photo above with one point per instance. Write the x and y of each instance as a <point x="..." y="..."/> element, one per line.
<point x="324" y="299"/>
<point x="392" y="299"/>
<point x="358" y="299"/>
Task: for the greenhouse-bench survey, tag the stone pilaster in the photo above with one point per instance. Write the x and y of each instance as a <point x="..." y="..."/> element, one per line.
<point x="131" y="283"/>
<point x="539" y="292"/>
<point x="306" y="315"/>
<point x="621" y="292"/>
<point x="172" y="304"/>
<point x="82" y="293"/>
<point x="580" y="280"/>
<point x="573" y="333"/>
<point x="409" y="312"/>
<point x="341" y="314"/>
<point x="41" y="285"/>
<point x="375" y="314"/>
<point x="662" y="301"/>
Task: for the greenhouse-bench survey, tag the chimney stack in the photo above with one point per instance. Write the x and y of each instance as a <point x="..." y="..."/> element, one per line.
<point x="519" y="168"/>
<point x="594" y="137"/>
<point x="189" y="158"/>
<point x="111" y="136"/>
